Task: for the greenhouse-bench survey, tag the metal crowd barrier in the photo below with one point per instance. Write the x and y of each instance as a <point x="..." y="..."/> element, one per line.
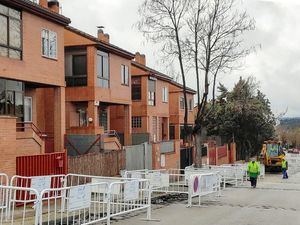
<point x="125" y="196"/>
<point x="38" y="183"/>
<point x="72" y="199"/>
<point x="229" y="174"/>
<point x="82" y="204"/>
<point x="202" y="185"/>
<point x="293" y="160"/>
<point x="18" y="211"/>
<point x="170" y="181"/>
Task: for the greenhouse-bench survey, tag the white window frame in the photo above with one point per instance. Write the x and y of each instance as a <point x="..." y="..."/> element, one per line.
<point x="27" y="97"/>
<point x="49" y="54"/>
<point x="165" y="94"/>
<point x="125" y="75"/>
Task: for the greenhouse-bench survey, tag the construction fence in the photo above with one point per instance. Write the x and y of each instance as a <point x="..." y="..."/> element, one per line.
<point x="72" y="199"/>
<point x="108" y="163"/>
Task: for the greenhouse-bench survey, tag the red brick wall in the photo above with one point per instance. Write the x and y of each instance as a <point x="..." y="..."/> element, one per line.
<point x="34" y="67"/>
<point x="172" y="159"/>
<point x="13" y="144"/>
<point x="7" y="145"/>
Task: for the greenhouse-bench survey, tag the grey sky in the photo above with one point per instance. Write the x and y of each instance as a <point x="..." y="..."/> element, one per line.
<point x="276" y="65"/>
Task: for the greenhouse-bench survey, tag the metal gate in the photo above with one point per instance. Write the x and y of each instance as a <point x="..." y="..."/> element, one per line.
<point x="186" y="157"/>
<point x="138" y="157"/>
<point x="42" y="165"/>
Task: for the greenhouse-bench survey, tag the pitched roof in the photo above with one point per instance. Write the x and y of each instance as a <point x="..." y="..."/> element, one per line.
<point x="161" y="76"/>
<point x="38" y="10"/>
<point x="107" y="46"/>
<point x="153" y="72"/>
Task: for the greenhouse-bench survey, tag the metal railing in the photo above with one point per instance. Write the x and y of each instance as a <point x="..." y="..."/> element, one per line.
<point x="23" y="126"/>
<point x="175" y="181"/>
<point x="79" y="199"/>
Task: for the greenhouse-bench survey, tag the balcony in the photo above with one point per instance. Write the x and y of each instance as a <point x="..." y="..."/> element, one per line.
<point x="76" y="81"/>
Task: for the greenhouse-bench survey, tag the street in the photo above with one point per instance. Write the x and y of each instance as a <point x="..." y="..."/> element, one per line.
<point x="274" y="201"/>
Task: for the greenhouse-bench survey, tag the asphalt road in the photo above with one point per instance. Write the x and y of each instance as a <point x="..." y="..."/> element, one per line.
<point x="273" y="202"/>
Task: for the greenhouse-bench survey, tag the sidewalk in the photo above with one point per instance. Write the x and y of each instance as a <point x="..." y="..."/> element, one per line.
<point x="275" y="201"/>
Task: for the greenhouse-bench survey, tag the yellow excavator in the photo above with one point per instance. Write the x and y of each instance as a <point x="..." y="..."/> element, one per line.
<point x="271" y="155"/>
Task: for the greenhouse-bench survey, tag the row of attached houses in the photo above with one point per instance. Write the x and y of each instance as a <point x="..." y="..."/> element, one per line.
<point x="59" y="84"/>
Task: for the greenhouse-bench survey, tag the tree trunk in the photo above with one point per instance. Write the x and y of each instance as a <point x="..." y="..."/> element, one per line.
<point x="198" y="144"/>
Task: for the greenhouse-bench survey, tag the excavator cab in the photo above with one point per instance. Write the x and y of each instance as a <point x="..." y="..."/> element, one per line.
<point x="271" y="155"/>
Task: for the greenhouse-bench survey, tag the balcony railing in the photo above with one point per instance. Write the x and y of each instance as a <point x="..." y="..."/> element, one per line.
<point x="76" y="81"/>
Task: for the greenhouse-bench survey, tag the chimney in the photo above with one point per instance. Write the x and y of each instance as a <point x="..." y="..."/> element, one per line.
<point x="140" y="58"/>
<point x="44" y="3"/>
<point x="53" y="5"/>
<point x="102" y="36"/>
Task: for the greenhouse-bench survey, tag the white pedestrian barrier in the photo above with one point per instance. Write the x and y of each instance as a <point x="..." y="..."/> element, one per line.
<point x="124" y="195"/>
<point x="72" y="199"/>
<point x="293" y="163"/>
<point x="202" y="185"/>
<point x="170" y="181"/>
<point x="83" y="204"/>
<point x="21" y="207"/>
<point x="38" y="183"/>
<point x="229" y="174"/>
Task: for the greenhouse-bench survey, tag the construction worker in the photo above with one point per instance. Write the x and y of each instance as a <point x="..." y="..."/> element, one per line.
<point x="284" y="167"/>
<point x="253" y="172"/>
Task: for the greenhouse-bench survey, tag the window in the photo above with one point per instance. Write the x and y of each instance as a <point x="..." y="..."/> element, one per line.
<point x="171" y="132"/>
<point x="181" y="102"/>
<point x="136" y="88"/>
<point x="165" y="94"/>
<point x="125" y="75"/>
<point x="28" y="109"/>
<point x="79" y="65"/>
<point x="82" y="116"/>
<point x="12" y="98"/>
<point x="136" y="122"/>
<point x="10" y="33"/>
<point x="191" y="104"/>
<point x="103" y="69"/>
<point x="76" y="68"/>
<point x="49" y="44"/>
<point x="103" y="118"/>
<point x="151" y="92"/>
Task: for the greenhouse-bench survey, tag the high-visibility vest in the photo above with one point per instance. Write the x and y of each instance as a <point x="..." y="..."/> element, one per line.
<point x="253" y="167"/>
<point x="283" y="164"/>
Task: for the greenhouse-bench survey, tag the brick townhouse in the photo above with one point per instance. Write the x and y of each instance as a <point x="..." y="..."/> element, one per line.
<point x="98" y="92"/>
<point x="177" y="107"/>
<point x="157" y="104"/>
<point x="32" y="83"/>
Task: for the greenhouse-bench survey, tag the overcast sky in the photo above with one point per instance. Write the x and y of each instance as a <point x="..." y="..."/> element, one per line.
<point x="276" y="66"/>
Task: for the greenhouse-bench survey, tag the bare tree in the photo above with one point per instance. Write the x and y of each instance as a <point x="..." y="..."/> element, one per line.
<point x="216" y="30"/>
<point x="162" y="22"/>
